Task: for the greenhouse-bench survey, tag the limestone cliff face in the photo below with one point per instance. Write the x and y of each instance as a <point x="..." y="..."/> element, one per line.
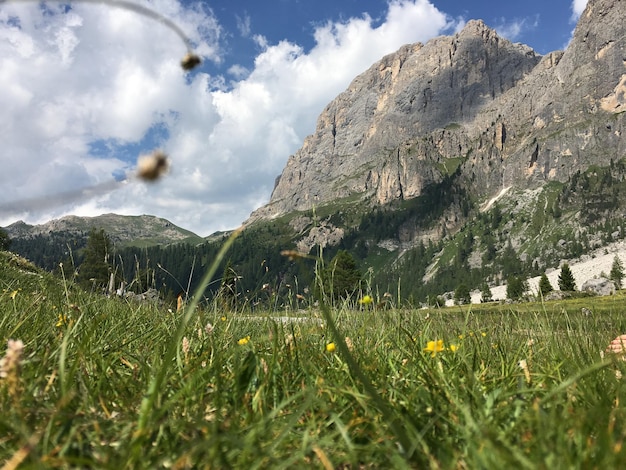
<point x="505" y="114"/>
<point x="568" y="113"/>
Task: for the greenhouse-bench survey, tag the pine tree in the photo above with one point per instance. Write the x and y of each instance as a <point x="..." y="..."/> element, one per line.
<point x="462" y="294"/>
<point x="617" y="272"/>
<point x="511" y="263"/>
<point x="95" y="268"/>
<point x="5" y="241"/>
<point x="342" y="278"/>
<point x="566" y="279"/>
<point x="485" y="293"/>
<point x="544" y="285"/>
<point x="496" y="216"/>
<point x="516" y="287"/>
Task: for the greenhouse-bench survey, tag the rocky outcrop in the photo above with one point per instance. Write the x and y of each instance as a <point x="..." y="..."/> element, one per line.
<point x="599" y="286"/>
<point x="497" y="111"/>
<point x="321" y="235"/>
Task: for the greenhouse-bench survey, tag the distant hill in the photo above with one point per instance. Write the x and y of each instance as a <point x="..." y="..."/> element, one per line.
<point x="59" y="240"/>
<point x="142" y="230"/>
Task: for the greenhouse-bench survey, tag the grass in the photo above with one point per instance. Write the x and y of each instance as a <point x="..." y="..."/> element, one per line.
<point x="450" y="165"/>
<point x="263" y="392"/>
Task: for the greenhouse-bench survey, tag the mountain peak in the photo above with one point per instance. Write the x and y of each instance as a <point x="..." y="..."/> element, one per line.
<point x="407" y="95"/>
<point x="475" y="28"/>
<point x="496" y="110"/>
<point x="143" y="229"/>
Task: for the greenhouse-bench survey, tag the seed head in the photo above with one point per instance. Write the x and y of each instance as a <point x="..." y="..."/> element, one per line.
<point x="190" y="61"/>
<point x="10" y="366"/>
<point x="293" y="255"/>
<point x="152" y="167"/>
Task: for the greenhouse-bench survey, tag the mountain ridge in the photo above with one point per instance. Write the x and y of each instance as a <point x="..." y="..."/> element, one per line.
<point x="126" y="230"/>
<point x="509" y="115"/>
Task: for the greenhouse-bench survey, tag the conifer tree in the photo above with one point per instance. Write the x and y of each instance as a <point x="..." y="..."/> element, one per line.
<point x="462" y="294"/>
<point x="544" y="285"/>
<point x="516" y="287"/>
<point x="566" y="279"/>
<point x="5" y="241"/>
<point x="485" y="293"/>
<point x="617" y="272"/>
<point x="95" y="268"/>
<point x="342" y="277"/>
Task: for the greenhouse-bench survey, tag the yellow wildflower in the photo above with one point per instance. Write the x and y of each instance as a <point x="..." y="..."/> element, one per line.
<point x="454" y="347"/>
<point x="62" y="321"/>
<point x="330" y="347"/>
<point x="13" y="294"/>
<point x="223" y="318"/>
<point x="434" y="347"/>
<point x="243" y="341"/>
<point x="366" y="300"/>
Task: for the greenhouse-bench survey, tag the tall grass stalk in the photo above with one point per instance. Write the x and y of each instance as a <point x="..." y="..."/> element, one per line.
<point x="391" y="417"/>
<point x="148" y="404"/>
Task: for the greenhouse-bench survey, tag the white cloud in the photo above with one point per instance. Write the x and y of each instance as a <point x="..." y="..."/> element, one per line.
<point x="578" y="6"/>
<point x="513" y="30"/>
<point x="68" y="81"/>
<point x="244" y="25"/>
<point x="239" y="72"/>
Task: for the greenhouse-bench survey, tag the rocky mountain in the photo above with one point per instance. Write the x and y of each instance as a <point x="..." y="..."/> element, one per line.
<point x="463" y="162"/>
<point x="493" y="113"/>
<point x="140" y="230"/>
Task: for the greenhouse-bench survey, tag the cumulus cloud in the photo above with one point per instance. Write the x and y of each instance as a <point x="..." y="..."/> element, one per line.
<point x="84" y="89"/>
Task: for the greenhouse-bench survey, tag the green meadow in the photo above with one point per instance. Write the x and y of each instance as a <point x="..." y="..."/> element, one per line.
<point x="107" y="383"/>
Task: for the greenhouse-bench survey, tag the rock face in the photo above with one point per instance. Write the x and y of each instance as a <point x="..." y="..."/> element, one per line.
<point x="498" y="112"/>
<point x="599" y="286"/>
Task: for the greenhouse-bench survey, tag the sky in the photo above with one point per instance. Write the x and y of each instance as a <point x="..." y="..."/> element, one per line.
<point x="86" y="88"/>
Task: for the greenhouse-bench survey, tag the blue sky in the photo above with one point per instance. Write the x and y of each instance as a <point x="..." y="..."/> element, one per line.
<point x="544" y="25"/>
<point x="85" y="90"/>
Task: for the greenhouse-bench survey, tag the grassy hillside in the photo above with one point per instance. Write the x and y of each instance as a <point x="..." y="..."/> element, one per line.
<point x="105" y="383"/>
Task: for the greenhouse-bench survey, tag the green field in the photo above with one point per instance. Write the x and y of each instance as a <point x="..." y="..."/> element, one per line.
<point x="105" y="383"/>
